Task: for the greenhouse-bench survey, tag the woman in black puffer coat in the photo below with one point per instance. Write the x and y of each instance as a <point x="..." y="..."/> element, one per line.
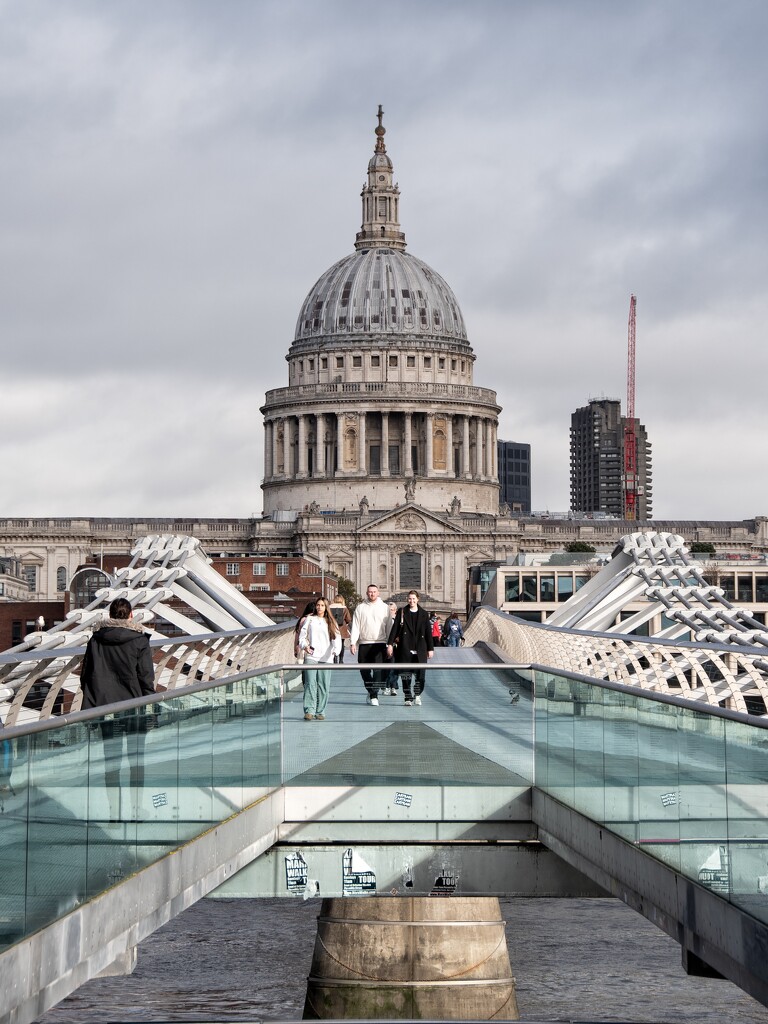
<point x="118" y="662"/>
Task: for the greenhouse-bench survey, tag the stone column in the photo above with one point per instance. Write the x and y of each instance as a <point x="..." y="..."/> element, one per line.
<point x="407" y="416"/>
<point x="362" y="451"/>
<point x="287" y="467"/>
<point x="320" y="444"/>
<point x="339" y="447"/>
<point x="466" y="468"/>
<point x="486" y="448"/>
<point x="430" y="441"/>
<point x="275" y="452"/>
<point x="449" y="444"/>
<point x="494" y="450"/>
<point x="385" y="444"/>
<point x="302" y="460"/>
<point x="269" y="430"/>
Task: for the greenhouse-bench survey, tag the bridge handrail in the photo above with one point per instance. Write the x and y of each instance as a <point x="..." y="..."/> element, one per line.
<point x="45" y="682"/>
<point x="704" y="671"/>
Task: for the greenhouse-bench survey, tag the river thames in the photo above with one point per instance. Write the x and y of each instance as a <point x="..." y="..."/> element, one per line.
<point x="574" y="960"/>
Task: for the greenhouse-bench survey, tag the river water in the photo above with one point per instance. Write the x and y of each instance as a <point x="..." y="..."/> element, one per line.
<point x="247" y="960"/>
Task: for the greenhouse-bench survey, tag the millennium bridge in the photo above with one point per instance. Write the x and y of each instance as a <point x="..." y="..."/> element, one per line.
<point x="565" y="759"/>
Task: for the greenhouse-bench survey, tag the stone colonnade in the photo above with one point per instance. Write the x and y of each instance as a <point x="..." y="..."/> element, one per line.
<point x="387" y="443"/>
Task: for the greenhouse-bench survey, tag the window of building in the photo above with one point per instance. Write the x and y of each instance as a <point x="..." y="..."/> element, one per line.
<point x="29" y="573"/>
<point x="410" y="570"/>
<point x="564" y="587"/>
<point x="375" y="360"/>
<point x="339" y="362"/>
<point x="394" y="459"/>
<point x="745" y="588"/>
<point x="529" y="588"/>
<point x="357" y="360"/>
<point x="2" y="589"/>
<point x="512" y="588"/>
<point x="761" y="589"/>
<point x="324" y="362"/>
<point x="61" y="579"/>
<point x="311" y="364"/>
<point x="301" y="366"/>
<point x="233" y="568"/>
<point x="427" y="362"/>
<point x="410" y="361"/>
<point x="393" y="360"/>
<point x="441" y="363"/>
<point x="16" y="632"/>
<point x="462" y="366"/>
<point x="282" y="568"/>
<point x="259" y="568"/>
<point x="453" y="364"/>
<point x="547" y="588"/>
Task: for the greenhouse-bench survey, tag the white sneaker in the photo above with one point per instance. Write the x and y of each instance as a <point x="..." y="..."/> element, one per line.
<point x="417" y="700"/>
<point x="374" y="701"/>
<point x="408" y="703"/>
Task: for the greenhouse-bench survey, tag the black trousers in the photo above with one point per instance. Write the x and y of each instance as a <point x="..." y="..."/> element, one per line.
<point x="372" y="654"/>
<point x="419" y="682"/>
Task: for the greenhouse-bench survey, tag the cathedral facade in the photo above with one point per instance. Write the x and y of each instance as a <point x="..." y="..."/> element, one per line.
<point x="380" y="407"/>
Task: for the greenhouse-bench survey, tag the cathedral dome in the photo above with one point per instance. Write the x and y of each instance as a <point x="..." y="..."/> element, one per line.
<point x="381" y="291"/>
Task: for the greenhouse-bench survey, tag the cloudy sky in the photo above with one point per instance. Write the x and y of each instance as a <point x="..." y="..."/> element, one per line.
<point x="175" y="176"/>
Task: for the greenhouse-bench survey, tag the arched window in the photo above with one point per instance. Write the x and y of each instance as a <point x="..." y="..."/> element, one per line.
<point x="61" y="579"/>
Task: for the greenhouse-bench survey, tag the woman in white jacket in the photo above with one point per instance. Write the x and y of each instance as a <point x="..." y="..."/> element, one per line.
<point x="320" y="640"/>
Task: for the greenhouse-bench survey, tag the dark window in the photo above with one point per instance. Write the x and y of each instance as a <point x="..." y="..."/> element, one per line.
<point x="410" y="570"/>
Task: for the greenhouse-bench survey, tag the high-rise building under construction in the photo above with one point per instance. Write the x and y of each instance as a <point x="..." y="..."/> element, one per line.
<point x="597" y="461"/>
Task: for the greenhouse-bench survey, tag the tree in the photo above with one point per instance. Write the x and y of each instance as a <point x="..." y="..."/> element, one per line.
<point x="701" y="547"/>
<point x="579" y="545"/>
<point x="347" y="590"/>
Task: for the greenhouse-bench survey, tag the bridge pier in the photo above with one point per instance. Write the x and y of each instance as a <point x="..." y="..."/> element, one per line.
<point x="411" y="958"/>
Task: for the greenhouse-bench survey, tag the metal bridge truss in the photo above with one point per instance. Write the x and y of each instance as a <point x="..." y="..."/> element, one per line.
<point x="169" y="578"/>
<point x="723" y="659"/>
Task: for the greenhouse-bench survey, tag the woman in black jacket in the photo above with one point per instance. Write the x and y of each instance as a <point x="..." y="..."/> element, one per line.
<point x="118" y="662"/>
<point x="410" y="640"/>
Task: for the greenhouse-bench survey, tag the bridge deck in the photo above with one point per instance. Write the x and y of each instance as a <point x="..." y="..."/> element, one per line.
<point x="466" y="732"/>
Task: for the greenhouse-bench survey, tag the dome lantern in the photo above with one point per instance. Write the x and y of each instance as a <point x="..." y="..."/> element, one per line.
<point x="381" y="200"/>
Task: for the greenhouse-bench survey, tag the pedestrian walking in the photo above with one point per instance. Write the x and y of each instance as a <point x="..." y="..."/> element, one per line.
<point x="340" y="612"/>
<point x="320" y="641"/>
<point x="453" y="634"/>
<point x="437" y="630"/>
<point x="410" y="640"/>
<point x="391" y="682"/>
<point x="370" y="625"/>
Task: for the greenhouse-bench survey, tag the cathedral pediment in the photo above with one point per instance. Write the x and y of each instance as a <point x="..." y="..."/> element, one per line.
<point x="410" y="520"/>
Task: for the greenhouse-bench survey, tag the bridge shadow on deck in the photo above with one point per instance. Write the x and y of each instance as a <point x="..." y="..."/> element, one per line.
<point x="408" y="753"/>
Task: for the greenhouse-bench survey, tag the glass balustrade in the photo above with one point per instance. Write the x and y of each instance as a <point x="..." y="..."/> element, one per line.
<point x="84" y="805"/>
<point x="87" y="803"/>
<point x="687" y="785"/>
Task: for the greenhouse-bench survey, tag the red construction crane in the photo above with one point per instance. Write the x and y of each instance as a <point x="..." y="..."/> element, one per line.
<point x="630" y="435"/>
